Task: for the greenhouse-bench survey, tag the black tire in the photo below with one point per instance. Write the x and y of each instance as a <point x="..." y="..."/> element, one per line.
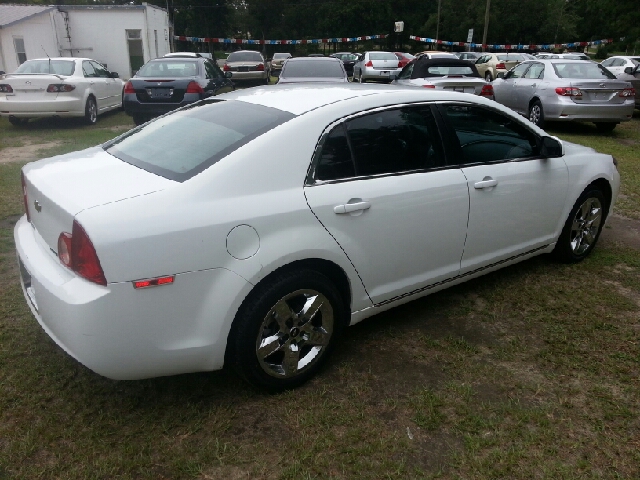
<point x="257" y="321"/>
<point x="360" y="79"/>
<point x="139" y="119"/>
<point x="488" y="77"/>
<point x="536" y="113"/>
<point x="91" y="111"/>
<point x="583" y="226"/>
<point x="15" y="121"/>
<point x="605" y="127"/>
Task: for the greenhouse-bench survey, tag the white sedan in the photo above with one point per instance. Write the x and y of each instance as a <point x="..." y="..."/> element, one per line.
<point x="59" y="87"/>
<point x="181" y="247"/>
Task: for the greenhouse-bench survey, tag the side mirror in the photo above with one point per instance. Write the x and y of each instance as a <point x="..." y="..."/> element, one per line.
<point x="551" y="147"/>
<point x="115" y="75"/>
<point x="228" y="74"/>
<point x="502" y="75"/>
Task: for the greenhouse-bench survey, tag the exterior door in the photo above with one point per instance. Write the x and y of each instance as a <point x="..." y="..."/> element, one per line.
<point x="528" y="84"/>
<point x="515" y="196"/>
<point x="380" y="187"/>
<point x="98" y="84"/>
<point x="112" y="87"/>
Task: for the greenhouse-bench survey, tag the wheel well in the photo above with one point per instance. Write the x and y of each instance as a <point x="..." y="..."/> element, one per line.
<point x="603" y="185"/>
<point x="534" y="99"/>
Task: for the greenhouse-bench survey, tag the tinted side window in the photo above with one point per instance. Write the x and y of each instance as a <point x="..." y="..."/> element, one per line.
<point x="88" y="70"/>
<point x="536" y="71"/>
<point x="210" y="71"/>
<point x="335" y="158"/>
<point x="100" y="70"/>
<point x="489" y="136"/>
<point x="395" y="141"/>
<point x="518" y="71"/>
<point x="406" y="72"/>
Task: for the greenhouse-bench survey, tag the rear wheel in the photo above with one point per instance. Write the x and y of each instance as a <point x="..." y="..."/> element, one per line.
<point x="285" y="329"/>
<point x="605" y="127"/>
<point x="360" y="79"/>
<point x="582" y="229"/>
<point x="91" y="111"/>
<point x="536" y="113"/>
<point x="139" y="119"/>
<point x="15" y="121"/>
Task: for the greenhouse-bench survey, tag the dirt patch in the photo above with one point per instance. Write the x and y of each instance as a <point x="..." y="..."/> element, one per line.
<point x="622" y="230"/>
<point x="25" y="153"/>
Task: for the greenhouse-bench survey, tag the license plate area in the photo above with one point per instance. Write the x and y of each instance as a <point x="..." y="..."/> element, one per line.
<point x="160" y="92"/>
<point x="243" y="69"/>
<point x="26" y="281"/>
<point x="384" y="73"/>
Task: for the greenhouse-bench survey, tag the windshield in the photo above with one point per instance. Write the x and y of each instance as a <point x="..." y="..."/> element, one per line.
<point x="586" y="71"/>
<point x="169" y="68"/>
<point x="184" y="143"/>
<point x="312" y="69"/>
<point x="244" y="57"/>
<point x="59" y="67"/>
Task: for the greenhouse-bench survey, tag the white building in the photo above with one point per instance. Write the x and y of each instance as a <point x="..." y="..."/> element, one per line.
<point x="123" y="37"/>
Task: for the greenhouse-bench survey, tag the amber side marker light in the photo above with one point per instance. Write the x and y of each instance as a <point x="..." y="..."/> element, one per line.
<point x="154" y="282"/>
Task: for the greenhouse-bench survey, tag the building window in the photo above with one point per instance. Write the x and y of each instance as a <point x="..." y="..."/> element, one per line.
<point x="18" y="43"/>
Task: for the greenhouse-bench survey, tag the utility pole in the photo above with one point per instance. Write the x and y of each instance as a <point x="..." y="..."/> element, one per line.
<point x="438" y="24"/>
<point x="486" y="25"/>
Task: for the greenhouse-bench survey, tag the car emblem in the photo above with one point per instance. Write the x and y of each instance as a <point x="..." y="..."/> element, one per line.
<point x="28" y="82"/>
<point x="38" y="206"/>
<point x="602" y="85"/>
<point x="159" y="84"/>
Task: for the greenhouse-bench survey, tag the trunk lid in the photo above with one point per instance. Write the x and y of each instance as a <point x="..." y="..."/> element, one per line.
<point x="599" y="92"/>
<point x="32" y="88"/>
<point x="459" y="84"/>
<point x="59" y="188"/>
<point x="161" y="90"/>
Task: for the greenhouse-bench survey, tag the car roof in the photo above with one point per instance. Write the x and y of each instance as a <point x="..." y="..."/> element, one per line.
<point x="299" y="99"/>
<point x="314" y="59"/>
<point x="182" y="54"/>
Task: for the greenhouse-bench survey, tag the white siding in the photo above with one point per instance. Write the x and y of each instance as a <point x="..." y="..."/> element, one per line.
<point x="38" y="36"/>
<point x="158" y="20"/>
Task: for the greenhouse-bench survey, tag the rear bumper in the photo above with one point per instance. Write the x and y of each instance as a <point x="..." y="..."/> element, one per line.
<point x="253" y="76"/>
<point x="565" y="110"/>
<point x="59" y="106"/>
<point x="375" y="74"/>
<point x="123" y="333"/>
<point x="133" y="106"/>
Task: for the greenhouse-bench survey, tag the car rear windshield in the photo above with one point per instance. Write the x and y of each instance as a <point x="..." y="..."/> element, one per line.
<point x="186" y="142"/>
<point x="244" y="57"/>
<point x="312" y="69"/>
<point x="436" y="70"/>
<point x="278" y="56"/>
<point x="59" y="67"/>
<point x="169" y="69"/>
<point x="511" y="57"/>
<point x="582" y="70"/>
<point x="382" y="56"/>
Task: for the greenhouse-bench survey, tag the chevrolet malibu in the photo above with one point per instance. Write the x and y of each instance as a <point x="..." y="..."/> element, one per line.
<point x="148" y="256"/>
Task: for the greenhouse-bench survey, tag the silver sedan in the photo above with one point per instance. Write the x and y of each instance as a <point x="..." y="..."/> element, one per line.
<point x="376" y="66"/>
<point x="566" y="90"/>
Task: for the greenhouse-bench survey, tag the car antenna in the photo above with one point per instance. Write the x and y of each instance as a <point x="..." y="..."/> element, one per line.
<point x="45" y="52"/>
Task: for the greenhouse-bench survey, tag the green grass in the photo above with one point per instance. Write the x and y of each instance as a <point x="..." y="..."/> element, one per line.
<point x="530" y="372"/>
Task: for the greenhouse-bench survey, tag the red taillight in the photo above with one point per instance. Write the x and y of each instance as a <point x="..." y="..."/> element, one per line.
<point x="569" y="91"/>
<point x="6" y="88"/>
<point x="60" y="87"/>
<point x="428" y="85"/>
<point x="154" y="282"/>
<point x="194" y="87"/>
<point x="128" y="87"/>
<point x="501" y="66"/>
<point x="369" y="64"/>
<point x="24" y="196"/>
<point x="628" y="92"/>
<point x="487" y="91"/>
<point x="400" y="64"/>
<point x="226" y="68"/>
<point x="260" y="67"/>
<point x="76" y="252"/>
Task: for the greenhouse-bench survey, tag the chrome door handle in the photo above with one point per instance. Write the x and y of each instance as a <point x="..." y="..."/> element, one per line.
<point x="351" y="207"/>
<point x="533" y="85"/>
<point x="487" y="182"/>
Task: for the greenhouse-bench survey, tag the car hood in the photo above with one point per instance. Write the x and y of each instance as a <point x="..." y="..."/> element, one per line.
<point x="571" y="148"/>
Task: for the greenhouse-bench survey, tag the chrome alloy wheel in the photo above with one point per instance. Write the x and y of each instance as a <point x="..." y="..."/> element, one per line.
<point x="586" y="225"/>
<point x="295" y="333"/>
<point x="534" y="114"/>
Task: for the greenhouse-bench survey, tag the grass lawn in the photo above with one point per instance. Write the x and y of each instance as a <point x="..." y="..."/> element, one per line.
<point x="530" y="372"/>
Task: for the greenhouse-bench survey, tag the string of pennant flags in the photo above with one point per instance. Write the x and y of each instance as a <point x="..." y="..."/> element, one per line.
<point x="244" y="41"/>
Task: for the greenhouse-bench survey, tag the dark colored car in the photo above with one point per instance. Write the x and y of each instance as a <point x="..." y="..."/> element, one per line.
<point x="404" y="58"/>
<point x="164" y="84"/>
<point x="348" y="60"/>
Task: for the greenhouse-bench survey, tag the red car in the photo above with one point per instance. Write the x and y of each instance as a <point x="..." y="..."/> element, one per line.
<point x="403" y="58"/>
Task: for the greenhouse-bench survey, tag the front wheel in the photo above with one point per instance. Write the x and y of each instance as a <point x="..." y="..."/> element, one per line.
<point x="582" y="229"/>
<point x="605" y="127"/>
<point x="285" y="330"/>
<point x="536" y="114"/>
<point x="91" y="111"/>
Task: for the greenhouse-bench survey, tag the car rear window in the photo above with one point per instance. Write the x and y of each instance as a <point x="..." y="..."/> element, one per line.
<point x="59" y="67"/>
<point x="277" y="56"/>
<point x="582" y="70"/>
<point x="182" y="144"/>
<point x="382" y="56"/>
<point x="244" y="57"/>
<point x="437" y="70"/>
<point x="169" y="69"/>
<point x="312" y="69"/>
